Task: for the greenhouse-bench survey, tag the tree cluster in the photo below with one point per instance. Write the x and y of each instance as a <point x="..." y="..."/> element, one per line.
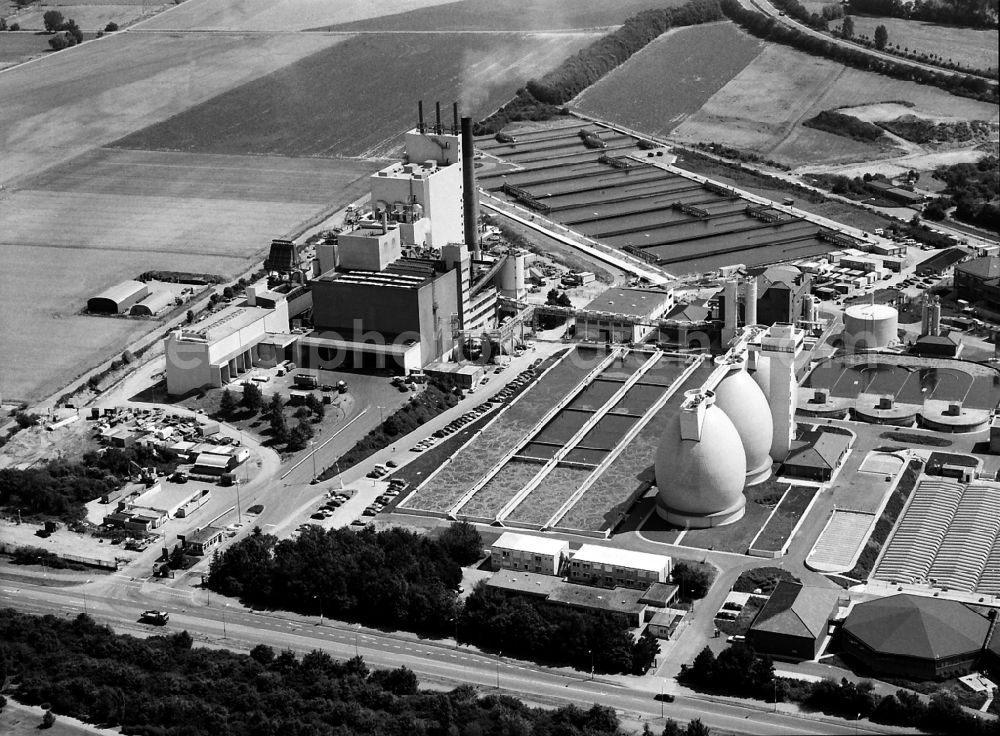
<point x="391" y="578"/>
<point x="535" y="629"/>
<point x="921" y="130"/>
<point x="67" y="32"/>
<point x="975" y="191"/>
<point x="795" y="9"/>
<point x="60" y="488"/>
<point x="738" y="670"/>
<point x="540" y="99"/>
<point x="768" y="28"/>
<point x="974" y="13"/>
<point x="694" y="579"/>
<point x="161" y="686"/>
<point x="838" y="123"/>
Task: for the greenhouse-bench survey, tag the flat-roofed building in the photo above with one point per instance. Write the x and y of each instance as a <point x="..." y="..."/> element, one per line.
<point x="622" y="314"/>
<point x="611" y="567"/>
<point x="528" y="552"/>
<point x="222" y="347"/>
<point x="620" y="600"/>
<point x="202" y="541"/>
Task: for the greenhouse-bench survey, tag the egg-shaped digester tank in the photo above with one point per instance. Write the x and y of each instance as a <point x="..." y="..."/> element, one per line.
<point x="700" y="466"/>
<point x="743" y="401"/>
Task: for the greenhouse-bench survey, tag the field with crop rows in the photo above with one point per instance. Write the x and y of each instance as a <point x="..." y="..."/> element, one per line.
<point x="297" y="115"/>
<point x="670" y="79"/>
<point x="966" y="46"/>
<point x="762" y="108"/>
<point x="509" y="15"/>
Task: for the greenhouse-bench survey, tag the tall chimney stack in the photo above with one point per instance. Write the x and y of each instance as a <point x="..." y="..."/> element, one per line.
<point x="420" y="116"/>
<point x="454" y="118"/>
<point x="437" y="108"/>
<point x="470" y="197"/>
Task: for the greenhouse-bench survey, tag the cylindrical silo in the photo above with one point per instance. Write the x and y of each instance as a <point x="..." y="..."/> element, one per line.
<point x="870" y="326"/>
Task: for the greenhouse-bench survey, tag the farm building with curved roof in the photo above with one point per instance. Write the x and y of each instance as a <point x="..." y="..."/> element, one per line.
<point x="152" y="304"/>
<point x="118" y="299"/>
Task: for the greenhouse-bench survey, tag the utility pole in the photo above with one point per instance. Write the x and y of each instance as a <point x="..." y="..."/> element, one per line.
<point x="224" y="620"/>
<point x="239" y="512"/>
<point x="498" y="669"/>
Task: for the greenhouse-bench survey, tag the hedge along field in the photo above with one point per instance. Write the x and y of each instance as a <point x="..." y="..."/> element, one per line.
<point x="356" y="98"/>
<point x="671" y="78"/>
<point x="965" y="46"/>
<point x="509" y="15"/>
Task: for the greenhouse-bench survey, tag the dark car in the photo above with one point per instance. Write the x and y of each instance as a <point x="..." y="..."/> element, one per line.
<point x="664" y="697"/>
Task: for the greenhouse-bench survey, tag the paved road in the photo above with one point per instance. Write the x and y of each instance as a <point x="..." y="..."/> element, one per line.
<point x="767" y="8"/>
<point x="226" y="623"/>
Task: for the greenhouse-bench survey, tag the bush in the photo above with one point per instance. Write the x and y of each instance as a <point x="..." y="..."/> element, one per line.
<point x="60" y="41"/>
<point x="838" y="123"/>
<point x="111" y="27"/>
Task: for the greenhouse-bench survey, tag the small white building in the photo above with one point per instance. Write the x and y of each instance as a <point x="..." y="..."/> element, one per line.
<point x="529" y="553"/>
<point x="611" y="567"/>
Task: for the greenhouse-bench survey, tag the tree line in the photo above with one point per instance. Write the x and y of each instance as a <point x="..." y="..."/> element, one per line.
<point x="974" y="190"/>
<point x="401" y="580"/>
<point x="838" y="123"/>
<point x="740" y="671"/>
<point x="974" y="13"/>
<point x="540" y="99"/>
<point x="162" y="686"/>
<point x="769" y="29"/>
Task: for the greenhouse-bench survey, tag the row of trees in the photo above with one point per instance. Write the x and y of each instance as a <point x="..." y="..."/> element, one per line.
<point x="401" y="580"/>
<point x="161" y="686"/>
<point x="975" y="13"/>
<point x="767" y="28"/>
<point x="541" y="99"/>
<point x="739" y="670"/>
<point x="820" y="21"/>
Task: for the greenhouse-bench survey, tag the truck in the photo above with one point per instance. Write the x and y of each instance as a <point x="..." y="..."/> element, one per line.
<point x="306" y="380"/>
<point x="341" y="387"/>
<point x="159" y="618"/>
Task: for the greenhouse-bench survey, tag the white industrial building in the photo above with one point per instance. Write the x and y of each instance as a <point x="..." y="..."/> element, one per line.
<point x="225" y="346"/>
<point x="610" y="567"/>
<point x="528" y="553"/>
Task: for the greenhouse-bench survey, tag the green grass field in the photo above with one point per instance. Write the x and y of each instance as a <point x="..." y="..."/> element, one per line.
<point x="672" y="78"/>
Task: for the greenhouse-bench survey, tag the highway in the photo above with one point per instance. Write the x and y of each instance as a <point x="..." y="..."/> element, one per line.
<point x="438" y="663"/>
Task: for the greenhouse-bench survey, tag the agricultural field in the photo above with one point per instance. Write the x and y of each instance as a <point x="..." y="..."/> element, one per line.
<point x="508" y="15"/>
<point x="90" y="16"/>
<point x="761" y="109"/>
<point x="671" y="78"/>
<point x="972" y="48"/>
<point x="120" y="213"/>
<point x="266" y="15"/>
<point x="296" y="116"/>
<point x="106" y="89"/>
<point x="16" y="47"/>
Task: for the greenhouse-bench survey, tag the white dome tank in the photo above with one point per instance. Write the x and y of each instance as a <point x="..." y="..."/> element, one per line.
<point x="746" y="406"/>
<point x="700" y="466"/>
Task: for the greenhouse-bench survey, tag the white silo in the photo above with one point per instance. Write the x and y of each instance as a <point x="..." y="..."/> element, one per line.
<point x="512" y="275"/>
<point x="700" y="466"/>
<point x="870" y="326"/>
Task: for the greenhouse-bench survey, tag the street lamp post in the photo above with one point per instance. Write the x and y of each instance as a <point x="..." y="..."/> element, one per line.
<point x="224" y="621"/>
<point x="591" y="663"/>
<point x="775" y="683"/>
<point x="357" y="633"/>
<point x="239" y="512"/>
<point x="381" y="421"/>
<point x="316" y="597"/>
<point x="312" y="444"/>
<point x="499" y="654"/>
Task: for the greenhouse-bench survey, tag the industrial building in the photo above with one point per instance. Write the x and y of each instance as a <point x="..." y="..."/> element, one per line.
<point x="794" y="622"/>
<point x="817" y="455"/>
<point x="919" y="637"/>
<point x="528" y="552"/>
<point x="978" y="280"/>
<point x="224" y="346"/>
<point x="152" y="304"/>
<point x="617" y="568"/>
<point x="118" y="299"/>
<point x="623" y="315"/>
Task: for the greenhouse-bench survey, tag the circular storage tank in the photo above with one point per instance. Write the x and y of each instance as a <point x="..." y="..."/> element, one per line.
<point x="746" y="406"/>
<point x="700" y="466"/>
<point x="870" y="326"/>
